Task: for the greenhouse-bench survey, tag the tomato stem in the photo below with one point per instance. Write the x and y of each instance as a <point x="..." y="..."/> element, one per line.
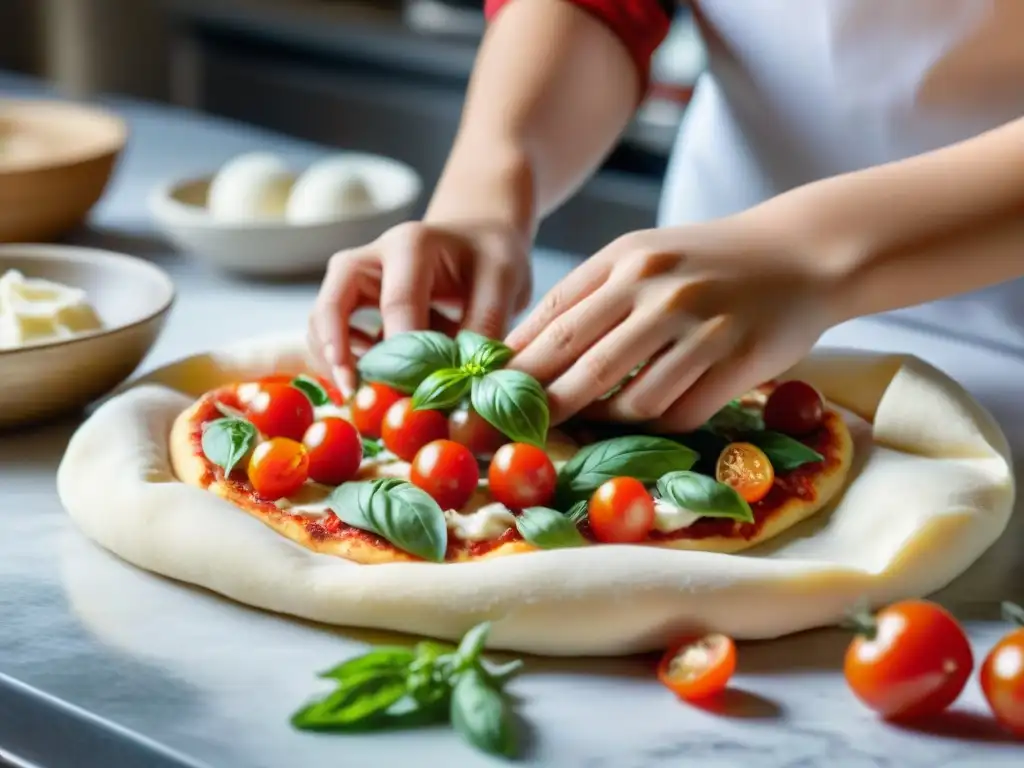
<point x="1013" y="613"/>
<point x="861" y="621"/>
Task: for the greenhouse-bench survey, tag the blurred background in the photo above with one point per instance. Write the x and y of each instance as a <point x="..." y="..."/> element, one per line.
<point x="384" y="77"/>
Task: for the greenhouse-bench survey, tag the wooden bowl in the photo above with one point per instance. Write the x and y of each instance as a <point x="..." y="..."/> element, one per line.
<point x="56" y="159"/>
<point x="132" y="298"/>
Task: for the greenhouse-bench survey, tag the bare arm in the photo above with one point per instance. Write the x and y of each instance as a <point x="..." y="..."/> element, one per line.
<point x="942" y="223"/>
<point x="552" y="89"/>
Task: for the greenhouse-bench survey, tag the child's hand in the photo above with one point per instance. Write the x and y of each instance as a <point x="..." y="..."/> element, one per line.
<point x="481" y="268"/>
<point x="716" y="308"/>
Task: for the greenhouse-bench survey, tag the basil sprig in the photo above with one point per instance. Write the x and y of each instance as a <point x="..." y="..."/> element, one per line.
<point x="704" y="496"/>
<point x="430" y="683"/>
<point x="478" y="354"/>
<point x="548" y="529"/>
<point x="644" y="457"/>
<point x="312" y="389"/>
<point x="442" y="389"/>
<point x="579" y="511"/>
<point x="784" y="452"/>
<point x="395" y="510"/>
<point x="515" y="404"/>
<point x="226" y="441"/>
<point x="403" y="361"/>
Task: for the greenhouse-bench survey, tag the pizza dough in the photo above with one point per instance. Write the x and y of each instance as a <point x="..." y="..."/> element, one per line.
<point x="931" y="489"/>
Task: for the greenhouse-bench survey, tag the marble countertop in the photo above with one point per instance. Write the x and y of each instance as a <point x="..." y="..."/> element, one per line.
<point x="187" y="678"/>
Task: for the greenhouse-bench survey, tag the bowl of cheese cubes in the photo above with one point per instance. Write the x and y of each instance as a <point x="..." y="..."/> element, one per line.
<point x="74" y="323"/>
<point x="260" y="217"/>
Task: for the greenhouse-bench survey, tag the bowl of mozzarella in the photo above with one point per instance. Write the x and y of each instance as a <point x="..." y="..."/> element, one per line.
<point x="74" y="323"/>
<point x="257" y="216"/>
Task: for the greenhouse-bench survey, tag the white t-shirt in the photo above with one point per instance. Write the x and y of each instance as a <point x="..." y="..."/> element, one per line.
<point x="799" y="90"/>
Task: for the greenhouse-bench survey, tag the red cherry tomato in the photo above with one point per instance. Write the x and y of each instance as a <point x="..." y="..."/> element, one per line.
<point x="278" y="468"/>
<point x="914" y="661"/>
<point x="335" y="450"/>
<point x="521" y="476"/>
<point x="468" y="427"/>
<point x="447" y="471"/>
<point x="283" y="378"/>
<point x="280" y="410"/>
<point x="794" y="408"/>
<point x="406" y="430"/>
<point x="1002" y="677"/>
<point x="747" y="469"/>
<point x="369" y="405"/>
<point x="697" y="668"/>
<point x="621" y="511"/>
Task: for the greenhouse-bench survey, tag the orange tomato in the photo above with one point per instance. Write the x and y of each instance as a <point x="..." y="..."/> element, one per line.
<point x="746" y="468"/>
<point x="698" y="667"/>
<point x="278" y="468"/>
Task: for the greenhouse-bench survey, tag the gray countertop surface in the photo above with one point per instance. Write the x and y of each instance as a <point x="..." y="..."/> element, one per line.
<point x="93" y="650"/>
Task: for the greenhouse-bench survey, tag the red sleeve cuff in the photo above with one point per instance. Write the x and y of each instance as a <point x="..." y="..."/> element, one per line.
<point x="641" y="25"/>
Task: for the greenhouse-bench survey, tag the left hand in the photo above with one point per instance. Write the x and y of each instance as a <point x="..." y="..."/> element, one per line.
<point x="712" y="309"/>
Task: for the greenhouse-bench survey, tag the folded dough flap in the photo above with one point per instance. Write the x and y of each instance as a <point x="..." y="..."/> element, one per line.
<point x="913" y="407"/>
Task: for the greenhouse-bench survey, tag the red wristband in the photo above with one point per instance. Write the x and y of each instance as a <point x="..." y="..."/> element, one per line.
<point x="641" y="25"/>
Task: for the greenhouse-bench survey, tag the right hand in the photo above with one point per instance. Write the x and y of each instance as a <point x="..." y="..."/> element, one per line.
<point x="482" y="269"/>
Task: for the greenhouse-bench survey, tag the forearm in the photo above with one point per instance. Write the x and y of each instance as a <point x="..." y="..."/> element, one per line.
<point x="939" y="224"/>
<point x="551" y="91"/>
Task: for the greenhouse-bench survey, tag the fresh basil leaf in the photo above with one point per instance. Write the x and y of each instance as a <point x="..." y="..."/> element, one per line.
<point x="430" y="708"/>
<point x="548" y="528"/>
<point x="406" y="359"/>
<point x="490" y="356"/>
<point x="514" y="403"/>
<point x="376" y="662"/>
<point x="226" y="441"/>
<point x="784" y="452"/>
<point x="396" y="510"/>
<point x="500" y="674"/>
<point x="371" y="448"/>
<point x="578" y="512"/>
<point x="472" y="644"/>
<point x="735" y="418"/>
<point x="481" y="715"/>
<point x="312" y="389"/>
<point x="351" y="706"/>
<point x="644" y="457"/>
<point x="625" y="380"/>
<point x="468" y="343"/>
<point x="704" y="496"/>
<point x="441" y="389"/>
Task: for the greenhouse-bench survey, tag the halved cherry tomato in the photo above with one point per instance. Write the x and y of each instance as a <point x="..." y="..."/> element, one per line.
<point x="1002" y="676"/>
<point x="794" y="408"/>
<point x="521" y="476"/>
<point x="911" y="660"/>
<point x="468" y="427"/>
<point x="621" y="511"/>
<point x="699" y="667"/>
<point x="278" y="468"/>
<point x="280" y="410"/>
<point x="335" y="450"/>
<point x="406" y="430"/>
<point x="746" y="468"/>
<point x="447" y="471"/>
<point x="370" y="404"/>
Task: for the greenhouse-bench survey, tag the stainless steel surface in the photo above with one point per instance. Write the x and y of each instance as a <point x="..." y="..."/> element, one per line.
<point x="215" y="681"/>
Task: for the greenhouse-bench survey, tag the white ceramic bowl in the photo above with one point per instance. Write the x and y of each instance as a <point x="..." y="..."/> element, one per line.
<point x="276" y="248"/>
<point x="132" y="298"/>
